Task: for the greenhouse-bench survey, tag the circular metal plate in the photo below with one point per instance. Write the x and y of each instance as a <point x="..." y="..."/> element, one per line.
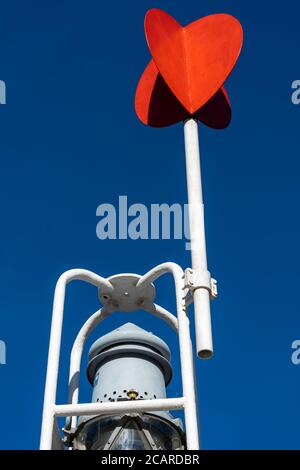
<point x="126" y="296"/>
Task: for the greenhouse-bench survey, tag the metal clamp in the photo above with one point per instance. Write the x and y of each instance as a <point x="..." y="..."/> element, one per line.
<point x="200" y="280"/>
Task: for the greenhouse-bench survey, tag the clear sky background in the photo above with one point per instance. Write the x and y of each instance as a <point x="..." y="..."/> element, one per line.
<point x="70" y="140"/>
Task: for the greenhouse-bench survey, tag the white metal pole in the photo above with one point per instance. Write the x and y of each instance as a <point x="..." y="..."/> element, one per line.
<point x="197" y="234"/>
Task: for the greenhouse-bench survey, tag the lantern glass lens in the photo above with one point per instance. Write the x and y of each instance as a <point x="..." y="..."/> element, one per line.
<point x="144" y="432"/>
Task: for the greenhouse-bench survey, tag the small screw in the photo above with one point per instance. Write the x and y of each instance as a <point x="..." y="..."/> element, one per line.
<point x="132" y="394"/>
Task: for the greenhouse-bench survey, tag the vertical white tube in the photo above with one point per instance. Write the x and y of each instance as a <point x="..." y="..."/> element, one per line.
<point x="53" y="364"/>
<point x="187" y="365"/>
<point x="197" y="233"/>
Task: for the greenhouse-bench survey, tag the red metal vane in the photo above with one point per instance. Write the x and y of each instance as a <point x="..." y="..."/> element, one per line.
<point x="189" y="67"/>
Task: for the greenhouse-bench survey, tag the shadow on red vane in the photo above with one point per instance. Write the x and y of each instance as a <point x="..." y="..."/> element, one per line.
<point x="157" y="106"/>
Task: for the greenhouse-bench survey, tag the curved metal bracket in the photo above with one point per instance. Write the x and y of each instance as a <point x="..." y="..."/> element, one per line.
<point x="141" y="293"/>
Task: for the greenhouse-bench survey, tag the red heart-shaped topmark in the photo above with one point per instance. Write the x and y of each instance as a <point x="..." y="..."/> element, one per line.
<point x="157" y="106"/>
<point x="194" y="60"/>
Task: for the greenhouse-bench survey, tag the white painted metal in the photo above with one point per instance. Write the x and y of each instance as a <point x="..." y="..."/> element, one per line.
<point x="201" y="297"/>
<point x="187" y="402"/>
<point x="76" y="355"/>
<point x="80" y="341"/>
<point x="163" y="314"/>
<point x="197" y="234"/>
<point x="126" y="297"/>
<point x="185" y="348"/>
<point x="90" y="409"/>
<point x="55" y="342"/>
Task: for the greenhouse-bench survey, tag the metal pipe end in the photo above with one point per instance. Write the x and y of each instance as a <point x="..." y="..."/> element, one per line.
<point x="205" y="354"/>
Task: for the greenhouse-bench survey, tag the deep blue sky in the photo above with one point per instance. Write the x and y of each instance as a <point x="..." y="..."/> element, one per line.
<point x="70" y="140"/>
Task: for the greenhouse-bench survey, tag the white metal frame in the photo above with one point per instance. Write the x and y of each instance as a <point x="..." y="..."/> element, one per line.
<point x="196" y="281"/>
<point x="187" y="402"/>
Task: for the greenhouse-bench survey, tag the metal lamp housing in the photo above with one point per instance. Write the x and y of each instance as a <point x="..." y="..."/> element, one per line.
<point x="129" y="360"/>
<point x="129" y="363"/>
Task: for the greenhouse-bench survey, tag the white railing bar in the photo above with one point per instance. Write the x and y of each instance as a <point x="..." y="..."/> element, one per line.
<point x="89" y="409"/>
